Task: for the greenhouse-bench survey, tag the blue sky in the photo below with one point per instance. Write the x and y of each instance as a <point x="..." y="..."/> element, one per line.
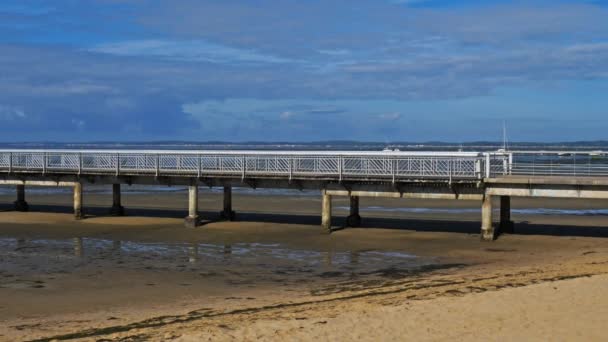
<point x="303" y="70"/>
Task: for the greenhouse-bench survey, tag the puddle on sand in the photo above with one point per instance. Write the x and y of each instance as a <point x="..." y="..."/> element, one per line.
<point x="249" y="262"/>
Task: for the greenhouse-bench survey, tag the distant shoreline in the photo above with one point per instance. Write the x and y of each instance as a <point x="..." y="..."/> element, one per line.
<point x="316" y="145"/>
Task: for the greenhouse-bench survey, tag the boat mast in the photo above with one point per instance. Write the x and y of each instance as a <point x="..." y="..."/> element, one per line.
<point x="504" y="135"/>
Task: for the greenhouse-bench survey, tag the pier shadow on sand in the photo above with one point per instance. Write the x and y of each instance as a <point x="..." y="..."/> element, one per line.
<point x="406" y="224"/>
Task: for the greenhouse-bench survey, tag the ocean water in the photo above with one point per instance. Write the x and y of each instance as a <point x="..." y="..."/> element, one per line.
<point x="534" y="211"/>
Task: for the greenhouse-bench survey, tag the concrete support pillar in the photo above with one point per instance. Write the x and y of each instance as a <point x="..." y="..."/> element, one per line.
<point x="506" y="225"/>
<point x="354" y="219"/>
<point x="78" y="212"/>
<point x="192" y="220"/>
<point x="117" y="208"/>
<point x="326" y="212"/>
<point x="487" y="228"/>
<point x="20" y="203"/>
<point x="228" y="213"/>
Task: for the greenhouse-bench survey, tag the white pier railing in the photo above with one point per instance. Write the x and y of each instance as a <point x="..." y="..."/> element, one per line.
<point x="328" y="165"/>
<point x="559" y="163"/>
<point x="310" y="164"/>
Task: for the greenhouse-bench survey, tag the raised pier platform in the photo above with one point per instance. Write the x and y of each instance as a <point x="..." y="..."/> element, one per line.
<point x="474" y="176"/>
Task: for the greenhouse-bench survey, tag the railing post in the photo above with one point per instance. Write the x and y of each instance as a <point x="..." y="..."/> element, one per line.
<point x="200" y="163"/>
<point x="44" y="161"/>
<point x="244" y="160"/>
<point x="450" y="171"/>
<point x="79" y="163"/>
<point x="421" y="172"/>
<point x="10" y="162"/>
<point x="340" y="167"/>
<point x="488" y="165"/>
<point x="393" y="169"/>
<point x="157" y="161"/>
<point x="117" y="164"/>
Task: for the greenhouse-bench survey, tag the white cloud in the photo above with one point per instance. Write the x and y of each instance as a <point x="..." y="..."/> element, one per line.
<point x="394" y="116"/>
<point x="187" y="50"/>
<point x="286" y="115"/>
<point x="78" y="123"/>
<point x="336" y="52"/>
<point x="11" y="113"/>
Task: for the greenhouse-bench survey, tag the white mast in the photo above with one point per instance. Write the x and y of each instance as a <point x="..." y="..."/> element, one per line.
<point x="504" y="135"/>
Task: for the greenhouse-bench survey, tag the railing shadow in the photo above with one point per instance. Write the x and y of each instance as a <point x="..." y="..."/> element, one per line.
<point x="406" y="224"/>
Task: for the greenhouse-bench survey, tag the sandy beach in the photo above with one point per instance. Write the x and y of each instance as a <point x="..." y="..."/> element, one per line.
<point x="276" y="275"/>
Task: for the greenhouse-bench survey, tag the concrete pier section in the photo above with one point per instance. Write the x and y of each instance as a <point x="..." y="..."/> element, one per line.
<point x="192" y="220"/>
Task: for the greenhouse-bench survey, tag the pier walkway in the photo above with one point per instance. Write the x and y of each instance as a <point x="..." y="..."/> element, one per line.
<point x="480" y="176"/>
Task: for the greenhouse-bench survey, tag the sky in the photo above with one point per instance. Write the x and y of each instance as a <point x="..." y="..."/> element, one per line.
<point x="303" y="70"/>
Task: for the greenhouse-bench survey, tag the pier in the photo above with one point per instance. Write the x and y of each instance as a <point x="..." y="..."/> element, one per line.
<point x="491" y="178"/>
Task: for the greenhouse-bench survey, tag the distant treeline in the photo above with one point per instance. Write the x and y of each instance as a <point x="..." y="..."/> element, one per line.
<point x="316" y="145"/>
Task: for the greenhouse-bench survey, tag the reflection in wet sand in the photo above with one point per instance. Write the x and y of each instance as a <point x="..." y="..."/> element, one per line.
<point x="116" y="246"/>
<point x="21" y="242"/>
<point x="258" y="260"/>
<point x="78" y="247"/>
<point x="193" y="253"/>
<point x="354" y="258"/>
<point x="329" y="257"/>
<point x="227" y="252"/>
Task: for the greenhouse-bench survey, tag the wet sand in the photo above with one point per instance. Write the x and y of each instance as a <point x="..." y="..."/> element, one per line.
<point x="275" y="274"/>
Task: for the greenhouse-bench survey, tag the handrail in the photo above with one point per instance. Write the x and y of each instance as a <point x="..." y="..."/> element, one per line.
<point x="339" y="165"/>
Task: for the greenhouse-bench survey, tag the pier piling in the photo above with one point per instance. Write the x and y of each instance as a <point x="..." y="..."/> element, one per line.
<point x="354" y="219"/>
<point x="78" y="212"/>
<point x="487" y="228"/>
<point x="20" y="203"/>
<point x="117" y="208"/>
<point x="506" y="225"/>
<point x="192" y="220"/>
<point x="326" y="212"/>
<point x="228" y="214"/>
